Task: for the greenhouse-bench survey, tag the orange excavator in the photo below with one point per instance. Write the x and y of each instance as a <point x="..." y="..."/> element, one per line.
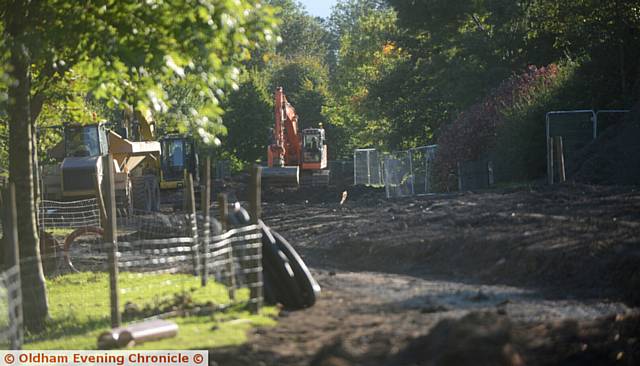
<point x="295" y="157"/>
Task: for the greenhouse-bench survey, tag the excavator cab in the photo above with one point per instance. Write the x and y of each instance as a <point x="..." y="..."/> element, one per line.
<point x="313" y="166"/>
<point x="178" y="156"/>
<point x="314" y="152"/>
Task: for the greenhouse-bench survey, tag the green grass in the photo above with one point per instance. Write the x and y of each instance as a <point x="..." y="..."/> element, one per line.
<point x="59" y="232"/>
<point x="79" y="309"/>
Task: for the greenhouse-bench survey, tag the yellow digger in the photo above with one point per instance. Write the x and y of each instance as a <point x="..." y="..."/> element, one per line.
<point x="178" y="151"/>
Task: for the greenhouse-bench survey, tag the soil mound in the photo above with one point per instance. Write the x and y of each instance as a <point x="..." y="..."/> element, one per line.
<point x="476" y="339"/>
<point x="613" y="158"/>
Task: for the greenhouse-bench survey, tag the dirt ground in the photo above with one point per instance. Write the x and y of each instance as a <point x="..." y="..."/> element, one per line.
<point x="527" y="276"/>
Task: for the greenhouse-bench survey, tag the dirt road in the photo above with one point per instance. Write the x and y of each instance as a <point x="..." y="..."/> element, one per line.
<point x="505" y="277"/>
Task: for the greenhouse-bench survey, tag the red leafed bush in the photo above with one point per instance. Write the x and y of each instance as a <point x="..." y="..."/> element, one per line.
<point x="474" y="132"/>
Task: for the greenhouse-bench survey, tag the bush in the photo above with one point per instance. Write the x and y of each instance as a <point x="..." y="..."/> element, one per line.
<point x="506" y="127"/>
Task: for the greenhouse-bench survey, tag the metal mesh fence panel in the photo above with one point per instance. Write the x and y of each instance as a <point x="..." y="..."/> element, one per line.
<point x="72" y="214"/>
<point x="421" y="159"/>
<point x="609" y="118"/>
<point x="475" y="175"/>
<point x="366" y="167"/>
<point x="341" y="173"/>
<point x="398" y="177"/>
<point x="577" y="129"/>
<point x="222" y="169"/>
<point x="70" y="230"/>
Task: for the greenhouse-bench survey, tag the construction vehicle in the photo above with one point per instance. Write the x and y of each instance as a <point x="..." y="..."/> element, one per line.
<point x="80" y="155"/>
<point x="179" y="155"/>
<point x="295" y="157"/>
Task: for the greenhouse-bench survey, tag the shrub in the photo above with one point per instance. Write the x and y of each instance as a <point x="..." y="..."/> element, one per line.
<point x="505" y="127"/>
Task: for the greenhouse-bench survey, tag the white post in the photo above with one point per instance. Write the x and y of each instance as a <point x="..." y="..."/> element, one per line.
<point x="355" y="166"/>
<point x="368" y="167"/>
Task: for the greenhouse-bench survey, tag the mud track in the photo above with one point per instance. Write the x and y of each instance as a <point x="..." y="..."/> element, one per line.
<point x="525" y="276"/>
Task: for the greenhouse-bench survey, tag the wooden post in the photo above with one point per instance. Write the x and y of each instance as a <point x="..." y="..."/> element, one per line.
<point x="12" y="259"/>
<point x="224" y="211"/>
<point x="190" y="200"/>
<point x="100" y="198"/>
<point x="550" y="160"/>
<point x="111" y="237"/>
<point x="559" y="150"/>
<point x="206" y="200"/>
<point x="255" y="277"/>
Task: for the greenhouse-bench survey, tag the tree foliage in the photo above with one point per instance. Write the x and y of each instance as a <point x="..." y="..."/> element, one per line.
<point x="127" y="52"/>
<point x="248" y="119"/>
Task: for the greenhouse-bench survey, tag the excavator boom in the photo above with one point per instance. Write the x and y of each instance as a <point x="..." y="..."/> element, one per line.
<point x="283" y="154"/>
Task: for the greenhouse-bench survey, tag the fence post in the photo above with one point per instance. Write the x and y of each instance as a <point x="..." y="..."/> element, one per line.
<point x="355" y="165"/>
<point x="427" y="171"/>
<point x="559" y="150"/>
<point x="255" y="277"/>
<point x="550" y="154"/>
<point x="224" y="211"/>
<point x="385" y="171"/>
<point x="206" y="200"/>
<point x="100" y="200"/>
<point x="111" y="238"/>
<point x="413" y="192"/>
<point x="191" y="209"/>
<point x="368" y="167"/>
<point x="12" y="259"/>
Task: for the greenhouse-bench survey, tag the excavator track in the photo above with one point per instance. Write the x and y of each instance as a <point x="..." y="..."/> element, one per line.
<point x="315" y="178"/>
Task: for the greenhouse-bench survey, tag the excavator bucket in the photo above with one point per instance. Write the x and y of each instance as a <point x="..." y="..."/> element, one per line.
<point x="288" y="176"/>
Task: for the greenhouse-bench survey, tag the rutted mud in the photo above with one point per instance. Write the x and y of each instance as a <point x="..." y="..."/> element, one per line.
<point x="532" y="277"/>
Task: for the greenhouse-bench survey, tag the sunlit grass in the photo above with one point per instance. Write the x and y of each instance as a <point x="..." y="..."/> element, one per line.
<point x="79" y="309"/>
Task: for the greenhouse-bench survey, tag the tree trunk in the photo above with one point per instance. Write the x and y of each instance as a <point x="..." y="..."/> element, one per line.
<point x="34" y="299"/>
<point x="35" y="168"/>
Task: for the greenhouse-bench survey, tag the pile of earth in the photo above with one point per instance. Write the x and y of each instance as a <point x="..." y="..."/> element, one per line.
<point x="614" y="157"/>
<point x="483" y="338"/>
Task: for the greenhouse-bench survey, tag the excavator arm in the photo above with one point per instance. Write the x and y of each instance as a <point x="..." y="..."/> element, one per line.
<point x="283" y="155"/>
<point x="286" y="147"/>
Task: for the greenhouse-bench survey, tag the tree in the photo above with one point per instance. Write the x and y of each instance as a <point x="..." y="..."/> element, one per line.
<point x="301" y="33"/>
<point x="249" y="118"/>
<point x="461" y="50"/>
<point x="128" y="50"/>
<point x="305" y="82"/>
<point x="366" y="50"/>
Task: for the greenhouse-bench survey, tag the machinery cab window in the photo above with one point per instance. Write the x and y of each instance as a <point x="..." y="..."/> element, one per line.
<point x="313" y="143"/>
<point x="83" y="141"/>
<point x="177" y="156"/>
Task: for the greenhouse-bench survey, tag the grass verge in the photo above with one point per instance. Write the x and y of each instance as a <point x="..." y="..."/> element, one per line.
<point x="79" y="310"/>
